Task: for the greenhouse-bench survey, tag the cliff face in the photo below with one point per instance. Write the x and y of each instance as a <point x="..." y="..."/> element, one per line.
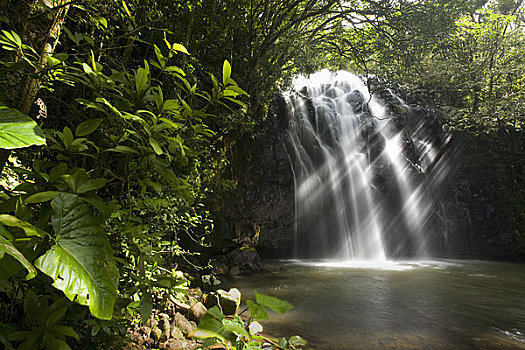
<point x="263" y="211"/>
<point x="482" y="207"/>
<point x="461" y="221"/>
<point x="470" y="216"/>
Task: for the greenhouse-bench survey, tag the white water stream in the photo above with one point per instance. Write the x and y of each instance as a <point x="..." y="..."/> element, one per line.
<point x="339" y="210"/>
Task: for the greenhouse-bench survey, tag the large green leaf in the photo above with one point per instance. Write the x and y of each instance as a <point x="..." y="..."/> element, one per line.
<point x="210" y="325"/>
<point x="141" y="79"/>
<point x="123" y="149"/>
<point x="88" y="126"/>
<point x="13" y="221"/>
<point x="41" y="197"/>
<point x="146" y="306"/>
<point x="156" y="146"/>
<point x="236" y="327"/>
<point x="8" y="247"/>
<point x="226" y="72"/>
<point x="180" y="47"/>
<point x="81" y="262"/>
<point x="276" y="304"/>
<point x="17" y="130"/>
<point x="257" y="311"/>
<point x="79" y="182"/>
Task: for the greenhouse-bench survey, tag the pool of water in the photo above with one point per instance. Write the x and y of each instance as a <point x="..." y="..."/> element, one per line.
<point x="439" y="304"/>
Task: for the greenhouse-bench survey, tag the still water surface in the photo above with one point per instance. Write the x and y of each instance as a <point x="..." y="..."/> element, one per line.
<point x="441" y="304"/>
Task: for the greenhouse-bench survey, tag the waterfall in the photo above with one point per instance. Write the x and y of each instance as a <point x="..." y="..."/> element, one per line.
<point x="358" y="188"/>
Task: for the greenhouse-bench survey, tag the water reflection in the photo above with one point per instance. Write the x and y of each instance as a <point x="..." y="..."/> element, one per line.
<point x="398" y="305"/>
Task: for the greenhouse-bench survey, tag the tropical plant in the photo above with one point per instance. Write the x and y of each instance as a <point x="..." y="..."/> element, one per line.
<point x="235" y="333"/>
<point x="43" y="319"/>
<point x="61" y="213"/>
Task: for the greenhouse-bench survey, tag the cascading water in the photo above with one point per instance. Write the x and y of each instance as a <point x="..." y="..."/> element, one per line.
<point x="346" y="144"/>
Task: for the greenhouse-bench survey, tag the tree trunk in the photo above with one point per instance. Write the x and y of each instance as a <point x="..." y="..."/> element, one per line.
<point x="188" y="37"/>
<point x="33" y="85"/>
<point x="48" y="50"/>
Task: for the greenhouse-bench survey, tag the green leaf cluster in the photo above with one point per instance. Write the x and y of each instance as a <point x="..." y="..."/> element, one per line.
<point x="114" y="193"/>
<point x="235" y="333"/>
<point x="45" y="332"/>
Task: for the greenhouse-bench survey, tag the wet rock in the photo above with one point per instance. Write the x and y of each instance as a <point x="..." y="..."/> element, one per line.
<point x="176" y="333"/>
<point x="236" y="270"/>
<point x="178" y="344"/>
<point x="165" y="326"/>
<point x="183" y="324"/>
<point x="229" y="301"/>
<point x="356" y="100"/>
<point x="245" y="259"/>
<point x="197" y="311"/>
<point x="264" y="197"/>
<point x="156" y="333"/>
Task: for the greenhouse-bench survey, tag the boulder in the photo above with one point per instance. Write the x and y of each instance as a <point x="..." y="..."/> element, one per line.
<point x="183" y="324"/>
<point x="178" y="344"/>
<point x="197" y="311"/>
<point x="165" y="326"/>
<point x="356" y="100"/>
<point x="176" y="333"/>
<point x="244" y="259"/>
<point x="229" y="301"/>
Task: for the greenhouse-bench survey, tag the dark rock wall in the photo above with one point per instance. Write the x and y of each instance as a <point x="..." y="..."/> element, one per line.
<point x="466" y="218"/>
<point x="263" y="212"/>
<point x="471" y="225"/>
<point x="482" y="208"/>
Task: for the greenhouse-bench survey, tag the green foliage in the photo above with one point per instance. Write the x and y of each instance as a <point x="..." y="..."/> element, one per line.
<point x="45" y="332"/>
<point x="127" y="165"/>
<point x="123" y="161"/>
<point x="234" y="333"/>
<point x="81" y="262"/>
<point x="12" y="42"/>
<point x="276" y="304"/>
<point x="17" y="130"/>
<point x="257" y="311"/>
<point x="29" y="230"/>
<point x="7" y="247"/>
<point x="87" y="127"/>
<point x="116" y="115"/>
<point x="468" y="61"/>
